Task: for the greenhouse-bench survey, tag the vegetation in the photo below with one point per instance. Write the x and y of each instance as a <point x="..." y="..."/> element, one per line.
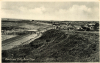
<point x="55" y="45"/>
<point x="58" y="46"/>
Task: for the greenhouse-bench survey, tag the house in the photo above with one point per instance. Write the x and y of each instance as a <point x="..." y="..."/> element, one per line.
<point x="64" y="27"/>
<point x="32" y="20"/>
<point x="77" y="27"/>
<point x="93" y="26"/>
<point x="56" y="25"/>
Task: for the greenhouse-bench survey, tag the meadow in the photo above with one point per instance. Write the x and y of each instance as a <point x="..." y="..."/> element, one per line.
<point x="54" y="45"/>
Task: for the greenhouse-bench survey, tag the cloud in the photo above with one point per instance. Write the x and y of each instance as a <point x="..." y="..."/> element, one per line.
<point x="80" y="8"/>
<point x="39" y="10"/>
<point x="74" y="12"/>
<point x="77" y="12"/>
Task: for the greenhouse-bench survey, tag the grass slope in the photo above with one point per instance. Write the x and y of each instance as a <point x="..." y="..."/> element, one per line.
<point x="55" y="45"/>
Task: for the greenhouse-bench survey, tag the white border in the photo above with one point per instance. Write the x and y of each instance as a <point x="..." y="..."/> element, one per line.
<point x="50" y="1"/>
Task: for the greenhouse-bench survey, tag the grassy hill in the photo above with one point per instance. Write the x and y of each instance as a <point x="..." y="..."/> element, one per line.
<point x="55" y="45"/>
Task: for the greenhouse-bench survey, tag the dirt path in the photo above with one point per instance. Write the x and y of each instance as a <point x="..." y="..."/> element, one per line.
<point x="15" y="42"/>
<point x="21" y="40"/>
<point x="32" y="39"/>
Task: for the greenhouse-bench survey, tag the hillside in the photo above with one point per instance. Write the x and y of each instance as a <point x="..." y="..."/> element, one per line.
<point x="55" y="45"/>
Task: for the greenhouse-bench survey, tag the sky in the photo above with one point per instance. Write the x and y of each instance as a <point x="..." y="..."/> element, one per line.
<point x="73" y="11"/>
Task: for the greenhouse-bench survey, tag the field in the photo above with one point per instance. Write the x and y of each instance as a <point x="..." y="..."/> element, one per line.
<point x="49" y="44"/>
<point x="5" y="37"/>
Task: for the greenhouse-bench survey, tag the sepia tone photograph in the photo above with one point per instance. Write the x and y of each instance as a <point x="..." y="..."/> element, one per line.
<point x="50" y="31"/>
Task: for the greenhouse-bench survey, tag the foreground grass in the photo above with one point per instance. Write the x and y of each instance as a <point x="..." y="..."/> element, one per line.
<point x="55" y="45"/>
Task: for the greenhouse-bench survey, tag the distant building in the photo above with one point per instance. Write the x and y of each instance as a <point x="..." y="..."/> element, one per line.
<point x="56" y="25"/>
<point x="77" y="27"/>
<point x="93" y="26"/>
<point x="64" y="27"/>
<point x="86" y="25"/>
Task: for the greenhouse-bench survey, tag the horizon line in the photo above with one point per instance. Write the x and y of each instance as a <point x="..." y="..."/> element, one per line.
<point x="47" y="20"/>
